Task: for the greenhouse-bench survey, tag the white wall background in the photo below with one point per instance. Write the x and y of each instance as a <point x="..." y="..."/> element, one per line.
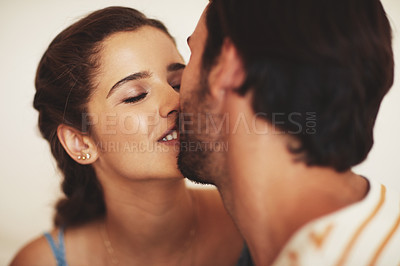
<point x="29" y="184"/>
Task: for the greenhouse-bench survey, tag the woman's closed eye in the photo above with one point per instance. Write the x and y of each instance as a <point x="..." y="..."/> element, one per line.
<point x="136" y="98"/>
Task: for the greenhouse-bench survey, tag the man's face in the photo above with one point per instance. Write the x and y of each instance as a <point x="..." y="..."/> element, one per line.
<point x="201" y="158"/>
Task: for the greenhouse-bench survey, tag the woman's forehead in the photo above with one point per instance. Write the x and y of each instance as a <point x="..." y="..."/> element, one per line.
<point x="142" y="46"/>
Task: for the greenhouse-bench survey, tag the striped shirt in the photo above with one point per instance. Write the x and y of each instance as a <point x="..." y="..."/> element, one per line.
<point x="364" y="233"/>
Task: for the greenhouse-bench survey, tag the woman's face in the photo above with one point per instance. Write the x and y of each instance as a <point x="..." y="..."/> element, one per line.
<point x="135" y="104"/>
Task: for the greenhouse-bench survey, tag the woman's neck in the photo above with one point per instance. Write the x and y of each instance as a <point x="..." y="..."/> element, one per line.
<point x="149" y="219"/>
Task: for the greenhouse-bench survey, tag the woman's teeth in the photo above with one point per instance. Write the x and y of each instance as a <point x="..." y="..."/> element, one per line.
<point x="171" y="136"/>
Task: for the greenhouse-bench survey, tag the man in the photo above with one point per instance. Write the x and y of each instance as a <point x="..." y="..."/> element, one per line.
<point x="279" y="101"/>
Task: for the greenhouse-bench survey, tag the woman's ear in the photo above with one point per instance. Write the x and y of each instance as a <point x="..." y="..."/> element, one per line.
<point x="228" y="73"/>
<point x="78" y="145"/>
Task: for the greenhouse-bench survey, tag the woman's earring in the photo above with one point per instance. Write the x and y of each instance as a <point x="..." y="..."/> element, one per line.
<point x="84" y="156"/>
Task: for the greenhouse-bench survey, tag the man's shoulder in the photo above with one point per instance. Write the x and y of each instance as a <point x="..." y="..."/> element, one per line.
<point x="367" y="232"/>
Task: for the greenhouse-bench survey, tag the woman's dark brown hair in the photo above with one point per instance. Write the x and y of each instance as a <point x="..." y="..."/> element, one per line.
<point x="63" y="89"/>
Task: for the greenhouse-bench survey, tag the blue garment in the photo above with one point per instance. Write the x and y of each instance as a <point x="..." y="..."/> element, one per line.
<point x="58" y="250"/>
<point x="245" y="257"/>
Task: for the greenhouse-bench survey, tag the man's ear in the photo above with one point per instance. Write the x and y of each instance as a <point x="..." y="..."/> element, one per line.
<point x="78" y="145"/>
<point x="228" y="73"/>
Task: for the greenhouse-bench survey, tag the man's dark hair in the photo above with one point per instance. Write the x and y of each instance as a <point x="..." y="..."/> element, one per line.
<point x="330" y="57"/>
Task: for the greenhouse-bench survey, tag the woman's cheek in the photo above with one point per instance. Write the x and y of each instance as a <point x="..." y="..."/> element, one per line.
<point x="129" y="124"/>
<point x="147" y="124"/>
<point x="134" y="127"/>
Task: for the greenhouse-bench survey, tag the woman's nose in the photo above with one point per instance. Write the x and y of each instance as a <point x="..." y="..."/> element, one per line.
<point x="169" y="102"/>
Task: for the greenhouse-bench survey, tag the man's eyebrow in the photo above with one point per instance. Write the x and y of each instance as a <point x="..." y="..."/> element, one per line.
<point x="175" y="67"/>
<point x="135" y="76"/>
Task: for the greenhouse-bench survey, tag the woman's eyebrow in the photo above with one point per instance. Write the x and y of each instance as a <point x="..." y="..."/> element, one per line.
<point x="135" y="76"/>
<point x="175" y="66"/>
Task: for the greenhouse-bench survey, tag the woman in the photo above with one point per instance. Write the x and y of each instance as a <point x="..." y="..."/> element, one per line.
<point x="107" y="96"/>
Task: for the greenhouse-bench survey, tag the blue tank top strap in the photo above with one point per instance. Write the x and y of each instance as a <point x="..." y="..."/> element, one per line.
<point x="58" y="249"/>
<point x="245" y="257"/>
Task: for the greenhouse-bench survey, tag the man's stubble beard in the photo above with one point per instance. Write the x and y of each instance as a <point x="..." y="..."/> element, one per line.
<point x="198" y="160"/>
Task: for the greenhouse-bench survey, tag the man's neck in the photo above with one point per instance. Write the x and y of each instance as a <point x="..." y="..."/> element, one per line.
<point x="268" y="220"/>
<point x="270" y="196"/>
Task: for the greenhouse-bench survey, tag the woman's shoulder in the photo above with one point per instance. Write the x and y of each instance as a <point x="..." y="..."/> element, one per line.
<point x="80" y="239"/>
<point x="35" y="252"/>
